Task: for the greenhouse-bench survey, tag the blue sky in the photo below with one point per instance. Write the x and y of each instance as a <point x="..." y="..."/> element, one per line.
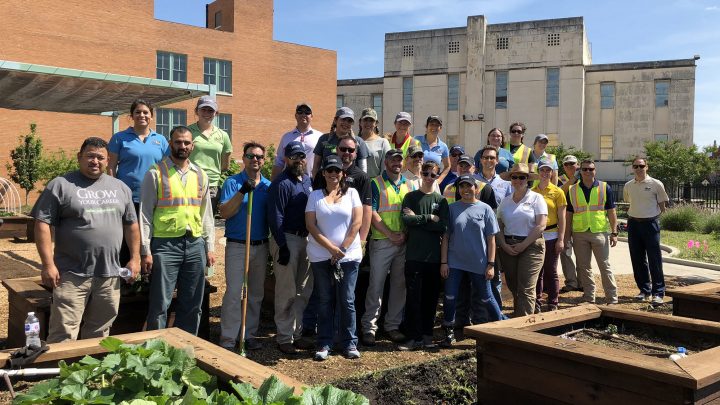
<point x="619" y="31"/>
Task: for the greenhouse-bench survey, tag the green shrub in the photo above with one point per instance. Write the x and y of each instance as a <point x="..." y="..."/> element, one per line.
<point x="681" y="218"/>
<point x="710" y="223"/>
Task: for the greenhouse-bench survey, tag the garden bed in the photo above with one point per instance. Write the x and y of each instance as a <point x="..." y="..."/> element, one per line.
<point x="526" y="359"/>
<point x="701" y="301"/>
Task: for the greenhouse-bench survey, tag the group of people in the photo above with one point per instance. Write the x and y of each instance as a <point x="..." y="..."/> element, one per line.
<point x="413" y="209"/>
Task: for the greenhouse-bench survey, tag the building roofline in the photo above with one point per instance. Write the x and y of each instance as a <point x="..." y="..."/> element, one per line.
<point x="356" y="82"/>
<point x="550" y="22"/>
<point x="655" y="64"/>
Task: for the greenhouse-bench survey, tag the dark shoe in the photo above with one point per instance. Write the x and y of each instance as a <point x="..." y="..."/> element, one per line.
<point x="449" y="337"/>
<point x="428" y="343"/>
<point x="287" y="348"/>
<point x="253" y="344"/>
<point x="304" y="343"/>
<point x="566" y="289"/>
<point x="459" y="333"/>
<point x="552" y="307"/>
<point x="538" y="310"/>
<point x="395" y="336"/>
<point x="410" y="345"/>
<point x="368" y="339"/>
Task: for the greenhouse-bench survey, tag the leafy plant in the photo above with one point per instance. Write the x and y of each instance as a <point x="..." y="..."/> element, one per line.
<point x="25" y="168"/>
<point x="680" y="218"/>
<point x="266" y="169"/>
<point x="675" y="163"/>
<point x="561" y="151"/>
<point x="57" y="164"/>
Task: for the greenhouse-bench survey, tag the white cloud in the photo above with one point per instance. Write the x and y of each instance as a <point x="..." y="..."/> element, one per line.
<point x="712" y="8"/>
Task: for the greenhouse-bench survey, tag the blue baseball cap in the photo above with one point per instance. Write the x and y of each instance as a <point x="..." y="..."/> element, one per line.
<point x="294" y="148"/>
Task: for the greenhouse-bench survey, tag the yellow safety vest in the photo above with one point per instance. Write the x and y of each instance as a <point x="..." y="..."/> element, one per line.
<point x="405" y="146"/>
<point x="522" y="154"/>
<point x="589" y="215"/>
<point x="178" y="205"/>
<point x="389" y="206"/>
<point x="450" y="191"/>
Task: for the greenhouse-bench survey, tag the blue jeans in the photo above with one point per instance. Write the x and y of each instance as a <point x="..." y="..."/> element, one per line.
<point x="177" y="261"/>
<point x="469" y="309"/>
<point x="326" y="288"/>
<point x="479" y="285"/>
<point x="645" y="255"/>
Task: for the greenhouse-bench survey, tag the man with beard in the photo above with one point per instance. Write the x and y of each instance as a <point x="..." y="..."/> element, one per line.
<point x="288" y="196"/>
<point x="178" y="234"/>
<point x="234" y="200"/>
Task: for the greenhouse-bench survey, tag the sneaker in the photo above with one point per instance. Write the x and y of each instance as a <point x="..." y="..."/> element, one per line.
<point x="368" y="339"/>
<point x="552" y="307"/>
<point x="613" y="302"/>
<point x="428" y="342"/>
<point x="253" y="344"/>
<point x="410" y="345"/>
<point x="459" y="333"/>
<point x="642" y="297"/>
<point x="228" y="344"/>
<point x="449" y="337"/>
<point x="538" y="309"/>
<point x="567" y="289"/>
<point x="323" y="354"/>
<point x="395" y="336"/>
<point x="352" y="353"/>
<point x="287" y="348"/>
<point x="657" y="300"/>
<point x="304" y="343"/>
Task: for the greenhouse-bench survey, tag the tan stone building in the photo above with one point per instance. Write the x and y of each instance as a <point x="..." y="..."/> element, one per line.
<point x="539" y="72"/>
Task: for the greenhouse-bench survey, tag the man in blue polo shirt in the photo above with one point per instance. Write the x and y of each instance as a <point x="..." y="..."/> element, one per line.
<point x="293" y="281"/>
<point x="233" y="207"/>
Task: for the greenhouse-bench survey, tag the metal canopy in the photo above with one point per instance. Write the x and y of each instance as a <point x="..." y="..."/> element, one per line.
<point x="48" y="88"/>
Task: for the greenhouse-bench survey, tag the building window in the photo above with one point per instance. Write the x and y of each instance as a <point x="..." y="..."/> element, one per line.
<point x="218" y="19"/>
<point x="407" y="94"/>
<point x="606" y="147"/>
<point x="408" y="50"/>
<point x="169" y="118"/>
<point x="553" y="40"/>
<point x="662" y="88"/>
<point x="661" y="137"/>
<point x="607" y="96"/>
<point x="553" y="139"/>
<point x="339" y="101"/>
<point x="377" y="106"/>
<point x="501" y="83"/>
<point x="502" y="43"/>
<point x="454" y="47"/>
<point x="219" y="73"/>
<point x="552" y="90"/>
<point x="171" y="66"/>
<point x="453" y="92"/>
<point x="224" y="122"/>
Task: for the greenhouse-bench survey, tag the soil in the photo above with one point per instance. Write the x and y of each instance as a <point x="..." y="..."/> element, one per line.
<point x="412" y="370"/>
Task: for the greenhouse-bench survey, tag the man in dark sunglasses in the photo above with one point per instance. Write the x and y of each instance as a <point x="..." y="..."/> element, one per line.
<point x="302" y="133"/>
<point x="591" y="221"/>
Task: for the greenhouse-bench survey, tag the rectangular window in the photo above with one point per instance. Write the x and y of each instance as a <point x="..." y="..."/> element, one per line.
<point x="661" y="137"/>
<point x="553" y="40"/>
<point x="219" y="73"/>
<point x="606" y="147"/>
<point x="169" y="118"/>
<point x="408" y="50"/>
<point x="553" y="139"/>
<point x="377" y="106"/>
<point x="407" y="94"/>
<point x="171" y="66"/>
<point x="552" y="90"/>
<point x="662" y="89"/>
<point x="501" y="82"/>
<point x="607" y="96"/>
<point x="224" y="122"/>
<point x="218" y="19"/>
<point x="453" y="92"/>
<point x="502" y="43"/>
<point x="340" y="101"/>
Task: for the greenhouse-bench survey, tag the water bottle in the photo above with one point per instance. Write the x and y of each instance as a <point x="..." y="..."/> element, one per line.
<point x="32" y="330"/>
<point x="125" y="273"/>
<point x="681" y="352"/>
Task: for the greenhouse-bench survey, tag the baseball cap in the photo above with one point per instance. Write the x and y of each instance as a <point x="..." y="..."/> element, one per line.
<point x="433" y="118"/>
<point x="303" y="104"/>
<point x="412" y="150"/>
<point x="541" y="137"/>
<point x="393" y="152"/>
<point x="465" y="179"/>
<point x="403" y="116"/>
<point x="294" y="148"/>
<point x="332" y="161"/>
<point x="544" y="163"/>
<point x="368" y="112"/>
<point x="467" y="159"/>
<point x="457" y="148"/>
<point x="570" y="159"/>
<point x="345" y="112"/>
<point x="207" y="101"/>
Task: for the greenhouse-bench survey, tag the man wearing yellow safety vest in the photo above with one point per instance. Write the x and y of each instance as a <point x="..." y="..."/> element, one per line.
<point x="592" y="222"/>
<point x="178" y="234"/>
<point x="520" y="152"/>
<point x="387" y="245"/>
<point x="539" y="153"/>
<point x="401" y="138"/>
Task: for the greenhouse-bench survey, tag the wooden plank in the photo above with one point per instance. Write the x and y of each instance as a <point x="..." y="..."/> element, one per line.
<point x="703" y="366"/>
<point x="498" y="393"/>
<point x="541" y="321"/>
<point x="587" y="353"/>
<point x="710" y="286"/>
<point x="668" y="321"/>
<point x="30" y="290"/>
<point x="691" y="308"/>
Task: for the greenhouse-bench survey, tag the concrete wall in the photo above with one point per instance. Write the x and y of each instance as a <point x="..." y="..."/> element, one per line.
<point x="358" y="95"/>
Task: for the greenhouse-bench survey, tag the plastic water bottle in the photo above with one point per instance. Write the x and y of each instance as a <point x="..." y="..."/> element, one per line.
<point x="681" y="352"/>
<point x="32" y="330"/>
<point x="126" y="273"/>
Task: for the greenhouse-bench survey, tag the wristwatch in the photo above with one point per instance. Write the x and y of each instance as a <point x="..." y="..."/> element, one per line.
<point x="613" y="234"/>
<point x="342" y="249"/>
<point x="491" y="264"/>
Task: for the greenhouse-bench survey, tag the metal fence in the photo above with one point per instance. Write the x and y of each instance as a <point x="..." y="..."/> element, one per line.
<point x="700" y="195"/>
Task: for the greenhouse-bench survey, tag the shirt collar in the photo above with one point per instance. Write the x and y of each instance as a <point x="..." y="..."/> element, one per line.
<point x="191" y="166"/>
<point x="399" y="183"/>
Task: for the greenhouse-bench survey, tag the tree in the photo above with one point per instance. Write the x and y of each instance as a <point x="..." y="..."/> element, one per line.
<point x="57" y="164"/>
<point x="674" y="163"/>
<point x="26" y="161"/>
<point x="561" y="151"/>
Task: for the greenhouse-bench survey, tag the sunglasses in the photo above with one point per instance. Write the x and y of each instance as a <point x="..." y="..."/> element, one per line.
<point x="302" y="111"/>
<point x="588" y="169"/>
<point x="299" y="156"/>
<point x="516" y="131"/>
<point x="518" y="177"/>
<point x="417" y="156"/>
<point x="345" y="149"/>
<point x="638" y="166"/>
<point x="251" y="156"/>
<point x="569" y="164"/>
<point x="488" y="158"/>
<point x="430" y="174"/>
<point x="332" y="170"/>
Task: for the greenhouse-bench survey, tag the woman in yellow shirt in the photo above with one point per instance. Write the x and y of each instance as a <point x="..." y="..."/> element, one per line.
<point x="548" y="280"/>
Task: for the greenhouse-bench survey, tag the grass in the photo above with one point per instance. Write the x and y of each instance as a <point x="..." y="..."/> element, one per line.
<point x="708" y="250"/>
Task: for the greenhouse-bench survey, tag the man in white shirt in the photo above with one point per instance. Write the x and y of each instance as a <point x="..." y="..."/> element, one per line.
<point x="302" y="133"/>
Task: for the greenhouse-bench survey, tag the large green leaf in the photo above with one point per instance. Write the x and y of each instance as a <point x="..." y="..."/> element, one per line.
<point x="328" y="395"/>
<point x="274" y="390"/>
<point x="247" y="392"/>
<point x="111" y="344"/>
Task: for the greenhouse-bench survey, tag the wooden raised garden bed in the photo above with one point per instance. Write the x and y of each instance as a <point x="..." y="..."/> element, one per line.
<point x="701" y="301"/>
<point x="525" y="360"/>
<point x="30" y="295"/>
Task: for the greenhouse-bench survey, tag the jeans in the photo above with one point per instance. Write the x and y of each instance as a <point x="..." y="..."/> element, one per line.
<point x="645" y="255"/>
<point x="469" y="308"/>
<point x="481" y="285"/>
<point x="178" y="261"/>
<point x="548" y="279"/>
<point x="326" y="288"/>
<point x="422" y="283"/>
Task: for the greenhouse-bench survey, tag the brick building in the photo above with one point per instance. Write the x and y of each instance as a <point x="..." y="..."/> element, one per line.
<point x="259" y="80"/>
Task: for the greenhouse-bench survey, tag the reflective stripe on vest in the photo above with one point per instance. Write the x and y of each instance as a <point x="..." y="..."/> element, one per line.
<point x="589" y="214"/>
<point x="522" y="154"/>
<point x="178" y="205"/>
<point x="450" y="191"/>
<point x="389" y="204"/>
<point x="406" y="145"/>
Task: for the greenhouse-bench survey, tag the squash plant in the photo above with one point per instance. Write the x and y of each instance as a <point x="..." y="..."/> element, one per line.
<point x="156" y="373"/>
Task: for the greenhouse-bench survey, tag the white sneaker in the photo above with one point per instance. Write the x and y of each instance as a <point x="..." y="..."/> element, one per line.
<point x="642" y="297"/>
<point x="322" y="354"/>
<point x="657" y="300"/>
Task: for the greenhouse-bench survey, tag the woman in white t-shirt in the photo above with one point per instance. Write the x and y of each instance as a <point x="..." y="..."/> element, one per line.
<point x="333" y="217"/>
<point x="522" y="217"/>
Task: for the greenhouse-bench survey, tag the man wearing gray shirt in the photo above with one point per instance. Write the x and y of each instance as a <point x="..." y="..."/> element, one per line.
<point x="90" y="212"/>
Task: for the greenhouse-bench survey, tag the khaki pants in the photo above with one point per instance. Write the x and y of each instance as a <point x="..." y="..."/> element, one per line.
<point x="587" y="244"/>
<point x="293" y="288"/>
<point x="87" y="305"/>
<point x="385" y="258"/>
<point x="568" y="267"/>
<point x="521" y="274"/>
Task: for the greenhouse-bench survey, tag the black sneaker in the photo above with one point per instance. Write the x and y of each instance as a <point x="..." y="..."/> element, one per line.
<point x="368" y="339"/>
<point x="449" y="337"/>
<point x="410" y="345"/>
